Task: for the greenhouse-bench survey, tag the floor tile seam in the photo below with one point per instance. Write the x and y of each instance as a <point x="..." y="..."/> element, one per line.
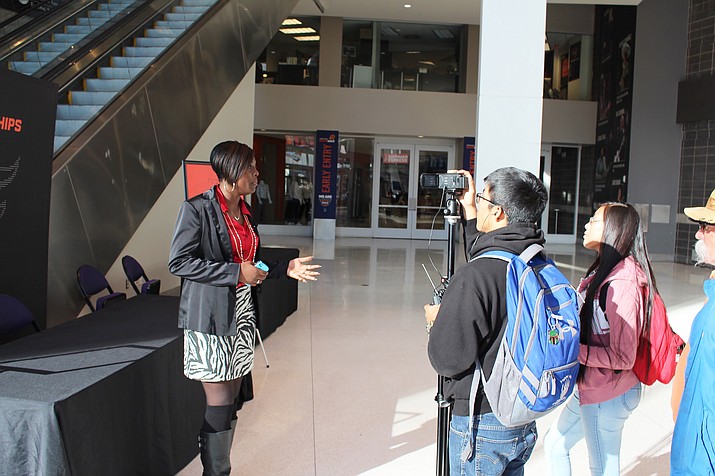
<point x="312" y="380"/>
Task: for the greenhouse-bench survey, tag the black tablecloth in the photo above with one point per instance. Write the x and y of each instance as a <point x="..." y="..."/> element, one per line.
<point x="101" y="395"/>
<point x="277" y="298"/>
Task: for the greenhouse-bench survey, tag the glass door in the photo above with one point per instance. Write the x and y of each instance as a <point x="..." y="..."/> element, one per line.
<point x="561" y="166"/>
<point x="394" y="172"/>
<point x="402" y="208"/>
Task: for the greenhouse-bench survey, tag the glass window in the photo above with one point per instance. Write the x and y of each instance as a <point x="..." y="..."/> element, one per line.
<point x="292" y="55"/>
<point x="405" y="56"/>
<point x="286" y="166"/>
<point x="567" y="66"/>
<point x="354" y="204"/>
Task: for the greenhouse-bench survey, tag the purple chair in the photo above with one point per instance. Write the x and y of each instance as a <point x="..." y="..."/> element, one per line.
<point x="134" y="272"/>
<point x="14" y="318"/>
<point x="91" y="282"/>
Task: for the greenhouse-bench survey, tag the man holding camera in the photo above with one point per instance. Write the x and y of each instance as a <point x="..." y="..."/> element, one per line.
<point x="470" y="321"/>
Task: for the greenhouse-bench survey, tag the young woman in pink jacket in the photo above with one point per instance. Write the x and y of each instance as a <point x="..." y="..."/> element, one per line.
<point x="607" y="389"/>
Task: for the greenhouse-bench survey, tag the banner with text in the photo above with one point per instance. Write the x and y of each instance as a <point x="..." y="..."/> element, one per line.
<point x="326" y="173"/>
<point x="468" y="155"/>
<point x="27" y="127"/>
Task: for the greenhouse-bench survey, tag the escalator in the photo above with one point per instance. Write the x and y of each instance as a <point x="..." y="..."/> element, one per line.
<point x="139" y="83"/>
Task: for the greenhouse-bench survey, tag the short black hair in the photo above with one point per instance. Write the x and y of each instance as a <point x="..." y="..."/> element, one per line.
<point x="520" y="193"/>
<point x="230" y="159"/>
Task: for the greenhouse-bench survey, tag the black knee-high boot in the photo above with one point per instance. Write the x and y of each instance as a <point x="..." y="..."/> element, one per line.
<point x="216" y="452"/>
<point x="215" y="440"/>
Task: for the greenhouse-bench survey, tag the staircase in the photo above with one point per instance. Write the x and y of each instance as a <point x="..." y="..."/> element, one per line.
<point x="82" y="105"/>
<point x="68" y="37"/>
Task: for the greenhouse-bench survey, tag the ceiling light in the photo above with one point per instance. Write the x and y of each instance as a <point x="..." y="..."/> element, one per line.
<point x="407" y="5"/>
<point x="307" y="38"/>
<point x="412" y="52"/>
<point x="429" y="63"/>
<point x="443" y="34"/>
<point x="297" y="31"/>
<point x="291" y="21"/>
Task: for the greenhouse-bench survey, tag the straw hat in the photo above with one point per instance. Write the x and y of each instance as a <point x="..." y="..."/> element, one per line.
<point x="704" y="214"/>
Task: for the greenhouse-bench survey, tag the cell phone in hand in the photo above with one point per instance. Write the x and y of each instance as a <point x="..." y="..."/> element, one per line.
<point x="261" y="265"/>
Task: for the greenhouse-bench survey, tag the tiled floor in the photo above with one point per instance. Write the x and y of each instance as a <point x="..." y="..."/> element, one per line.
<point x="350" y="390"/>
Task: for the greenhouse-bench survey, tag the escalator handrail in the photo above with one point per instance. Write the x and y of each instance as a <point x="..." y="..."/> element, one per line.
<point x="24" y="11"/>
<point x="29" y="32"/>
<point x="86" y="57"/>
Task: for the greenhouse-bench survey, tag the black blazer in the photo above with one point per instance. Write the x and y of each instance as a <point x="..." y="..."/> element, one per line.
<point x="201" y="255"/>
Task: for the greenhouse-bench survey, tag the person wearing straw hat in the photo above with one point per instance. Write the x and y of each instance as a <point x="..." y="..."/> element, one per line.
<point x="693" y="448"/>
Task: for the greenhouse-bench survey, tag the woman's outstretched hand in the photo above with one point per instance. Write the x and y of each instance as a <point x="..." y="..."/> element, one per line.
<point x="303" y="272"/>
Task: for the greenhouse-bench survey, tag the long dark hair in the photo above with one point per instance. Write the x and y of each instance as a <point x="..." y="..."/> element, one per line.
<point x="622" y="237"/>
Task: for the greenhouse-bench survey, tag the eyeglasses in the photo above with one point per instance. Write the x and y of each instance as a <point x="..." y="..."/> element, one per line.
<point x="703" y="226"/>
<point x="482" y="197"/>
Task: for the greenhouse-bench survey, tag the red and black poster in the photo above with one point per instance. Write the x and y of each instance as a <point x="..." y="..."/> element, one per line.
<point x="469" y="155"/>
<point x="326" y="173"/>
<point x="27" y="126"/>
<point x="614" y="52"/>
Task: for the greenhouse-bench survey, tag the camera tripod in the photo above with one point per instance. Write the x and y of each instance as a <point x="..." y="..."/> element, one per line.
<point x="452" y="215"/>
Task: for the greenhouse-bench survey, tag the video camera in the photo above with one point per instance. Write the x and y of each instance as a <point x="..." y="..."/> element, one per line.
<point x="453" y="182"/>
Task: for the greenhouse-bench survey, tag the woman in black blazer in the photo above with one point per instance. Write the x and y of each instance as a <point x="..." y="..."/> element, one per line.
<point x="215" y="250"/>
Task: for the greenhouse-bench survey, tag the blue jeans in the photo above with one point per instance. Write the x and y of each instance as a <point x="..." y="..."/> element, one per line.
<point x="602" y="426"/>
<point x="496" y="449"/>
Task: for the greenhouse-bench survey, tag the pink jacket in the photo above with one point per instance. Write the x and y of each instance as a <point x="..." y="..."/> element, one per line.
<point x="609" y="359"/>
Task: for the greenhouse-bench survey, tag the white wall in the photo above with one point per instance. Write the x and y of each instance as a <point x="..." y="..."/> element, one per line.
<point x="150" y="244"/>
<point x="403" y="113"/>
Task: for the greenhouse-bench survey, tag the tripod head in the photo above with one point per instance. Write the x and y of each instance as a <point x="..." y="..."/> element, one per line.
<point x="452" y="206"/>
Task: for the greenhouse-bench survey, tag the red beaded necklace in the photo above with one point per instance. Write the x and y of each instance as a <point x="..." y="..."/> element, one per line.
<point x="236" y="237"/>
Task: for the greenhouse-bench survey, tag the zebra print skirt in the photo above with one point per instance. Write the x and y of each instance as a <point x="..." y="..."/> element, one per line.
<point x="213" y="358"/>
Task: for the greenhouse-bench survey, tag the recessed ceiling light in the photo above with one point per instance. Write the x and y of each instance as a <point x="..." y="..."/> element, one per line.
<point x="407" y="5"/>
<point x="297" y="31"/>
<point x="307" y="38"/>
<point x="443" y="34"/>
<point x="291" y="21"/>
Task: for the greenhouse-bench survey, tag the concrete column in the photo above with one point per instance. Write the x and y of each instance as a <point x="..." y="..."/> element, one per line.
<point x="471" y="59"/>
<point x="511" y="72"/>
<point x="331" y="46"/>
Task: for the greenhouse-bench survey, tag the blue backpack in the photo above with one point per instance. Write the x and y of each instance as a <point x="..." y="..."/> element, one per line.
<point x="537" y="361"/>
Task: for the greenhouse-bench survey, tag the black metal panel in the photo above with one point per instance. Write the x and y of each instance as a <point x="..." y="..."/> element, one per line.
<point x="69" y="247"/>
<point x="96" y="173"/>
<point x="142" y="179"/>
<point x="175" y="109"/>
<point x="696" y="100"/>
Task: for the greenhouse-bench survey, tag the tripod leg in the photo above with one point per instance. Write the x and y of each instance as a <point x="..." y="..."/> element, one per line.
<point x="260" y="341"/>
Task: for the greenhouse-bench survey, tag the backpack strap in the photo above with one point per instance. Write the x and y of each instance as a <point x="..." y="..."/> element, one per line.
<point x="478" y="375"/>
<point x="602" y="297"/>
<point x="533" y="250"/>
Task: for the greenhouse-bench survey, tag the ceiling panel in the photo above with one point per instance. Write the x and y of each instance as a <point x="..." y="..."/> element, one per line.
<point x="422" y="11"/>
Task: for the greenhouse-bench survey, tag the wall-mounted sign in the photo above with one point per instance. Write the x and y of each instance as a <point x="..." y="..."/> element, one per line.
<point x="395" y="158"/>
